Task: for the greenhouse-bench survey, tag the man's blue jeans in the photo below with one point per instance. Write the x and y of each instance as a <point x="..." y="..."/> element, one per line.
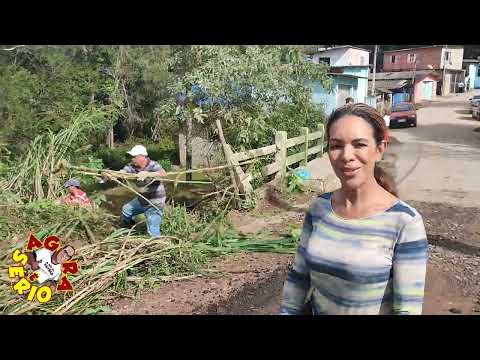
<point x="152" y="215"/>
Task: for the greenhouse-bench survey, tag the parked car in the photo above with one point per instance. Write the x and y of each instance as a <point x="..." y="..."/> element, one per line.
<point x="474" y="99"/>
<point x="403" y="113"/>
<point x="476" y="109"/>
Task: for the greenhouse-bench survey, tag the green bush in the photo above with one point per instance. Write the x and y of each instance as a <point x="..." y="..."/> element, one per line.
<point x="166" y="153"/>
<point x="160" y="155"/>
<point x="166" y="150"/>
<point x="45" y="216"/>
<point x="92" y="163"/>
<point x="4" y="168"/>
<point x="166" y="164"/>
<point x="114" y="159"/>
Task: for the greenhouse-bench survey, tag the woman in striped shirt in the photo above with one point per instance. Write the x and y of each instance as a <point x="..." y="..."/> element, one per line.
<point x="362" y="250"/>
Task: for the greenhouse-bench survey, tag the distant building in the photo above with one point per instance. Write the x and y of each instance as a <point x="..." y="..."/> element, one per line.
<point x="445" y="58"/>
<point x="399" y="84"/>
<point x="349" y="70"/>
<point x="472" y="73"/>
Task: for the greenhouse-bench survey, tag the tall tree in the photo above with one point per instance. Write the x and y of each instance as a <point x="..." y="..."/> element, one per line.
<point x="243" y="86"/>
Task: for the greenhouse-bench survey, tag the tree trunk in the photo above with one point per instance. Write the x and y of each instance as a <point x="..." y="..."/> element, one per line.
<point x="110" y="138"/>
<point x="188" y="145"/>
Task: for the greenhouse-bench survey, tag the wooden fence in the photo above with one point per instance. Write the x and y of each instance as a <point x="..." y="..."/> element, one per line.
<point x="279" y="149"/>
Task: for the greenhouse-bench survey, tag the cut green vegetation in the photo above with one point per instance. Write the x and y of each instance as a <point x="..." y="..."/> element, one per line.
<point x="125" y="261"/>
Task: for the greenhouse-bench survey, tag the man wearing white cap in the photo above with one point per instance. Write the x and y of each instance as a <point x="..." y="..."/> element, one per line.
<point x="152" y="190"/>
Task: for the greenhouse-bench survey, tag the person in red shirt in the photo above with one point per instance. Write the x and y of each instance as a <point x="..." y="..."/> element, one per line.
<point x="386" y="136"/>
<point x="76" y="195"/>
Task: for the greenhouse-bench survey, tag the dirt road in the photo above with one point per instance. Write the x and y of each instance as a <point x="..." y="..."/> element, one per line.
<point x="439" y="160"/>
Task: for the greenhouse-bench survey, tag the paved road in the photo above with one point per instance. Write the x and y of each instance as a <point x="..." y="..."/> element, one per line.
<point x="439" y="161"/>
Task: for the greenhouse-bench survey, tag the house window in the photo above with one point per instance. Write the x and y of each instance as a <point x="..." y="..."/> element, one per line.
<point x="478" y="71"/>
<point x="412" y="58"/>
<point x="394" y="59"/>
<point x="447" y="55"/>
<point x="325" y="60"/>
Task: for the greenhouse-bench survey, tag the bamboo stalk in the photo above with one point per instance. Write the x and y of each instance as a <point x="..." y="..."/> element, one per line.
<point x="127" y="176"/>
<point x="136" y="192"/>
<point x="133" y="176"/>
<point x="88" y="231"/>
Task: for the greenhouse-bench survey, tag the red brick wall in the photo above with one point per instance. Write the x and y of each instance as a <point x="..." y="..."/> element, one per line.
<point x="425" y="57"/>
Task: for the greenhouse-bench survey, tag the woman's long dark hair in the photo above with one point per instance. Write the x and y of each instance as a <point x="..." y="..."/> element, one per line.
<point x="372" y="117"/>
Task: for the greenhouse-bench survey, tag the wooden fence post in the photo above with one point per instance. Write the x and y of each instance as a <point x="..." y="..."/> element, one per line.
<point x="281" y="154"/>
<point x="321" y="127"/>
<point x="228" y="156"/>
<point x="305" y="131"/>
<point x="241" y="179"/>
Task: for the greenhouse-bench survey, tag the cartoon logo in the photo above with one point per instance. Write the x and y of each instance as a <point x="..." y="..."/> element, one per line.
<point x="43" y="269"/>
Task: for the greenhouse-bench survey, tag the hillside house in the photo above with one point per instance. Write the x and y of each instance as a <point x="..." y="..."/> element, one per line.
<point x="349" y="70"/>
<point x="472" y="73"/>
<point x="446" y="59"/>
<point x="399" y="84"/>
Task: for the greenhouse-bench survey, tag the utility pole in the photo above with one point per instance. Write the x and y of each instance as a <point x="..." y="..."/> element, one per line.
<point x="444" y="67"/>
<point x="455" y="84"/>
<point x="374" y="70"/>
<point x="413" y="80"/>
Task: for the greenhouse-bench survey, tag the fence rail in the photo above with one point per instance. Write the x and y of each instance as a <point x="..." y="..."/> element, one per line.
<point x="282" y="161"/>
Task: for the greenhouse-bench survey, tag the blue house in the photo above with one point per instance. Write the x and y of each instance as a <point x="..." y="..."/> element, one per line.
<point x="349" y="69"/>
<point x="472" y="73"/>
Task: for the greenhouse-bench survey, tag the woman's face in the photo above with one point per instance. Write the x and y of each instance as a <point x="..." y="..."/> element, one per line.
<point x="353" y="151"/>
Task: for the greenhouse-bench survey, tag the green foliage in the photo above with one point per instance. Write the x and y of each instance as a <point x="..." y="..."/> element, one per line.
<point x="96" y="310"/>
<point x="47" y="217"/>
<point x="166" y="153"/>
<point x="114" y="159"/>
<point x="177" y="221"/>
<point x="92" y="163"/>
<point x="252" y="87"/>
<point x="166" y="164"/>
<point x="98" y="199"/>
<point x="295" y="232"/>
<point x="286" y="244"/>
<point x="295" y="183"/>
<point x="42" y="88"/>
<point x="255" y="169"/>
<point x="249" y="203"/>
<point x="35" y="176"/>
<point x="10" y="198"/>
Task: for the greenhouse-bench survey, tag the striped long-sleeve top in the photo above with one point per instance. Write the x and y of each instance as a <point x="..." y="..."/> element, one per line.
<point x="373" y="265"/>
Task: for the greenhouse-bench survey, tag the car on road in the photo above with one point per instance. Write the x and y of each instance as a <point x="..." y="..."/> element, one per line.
<point x="473" y="100"/>
<point x="403" y="114"/>
<point x="476" y="109"/>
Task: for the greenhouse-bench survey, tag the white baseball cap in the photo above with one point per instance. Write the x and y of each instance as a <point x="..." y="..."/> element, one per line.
<point x="138" y="150"/>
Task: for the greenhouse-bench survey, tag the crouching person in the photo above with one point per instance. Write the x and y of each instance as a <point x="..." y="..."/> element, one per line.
<point x="150" y="189"/>
<point x="75" y="194"/>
